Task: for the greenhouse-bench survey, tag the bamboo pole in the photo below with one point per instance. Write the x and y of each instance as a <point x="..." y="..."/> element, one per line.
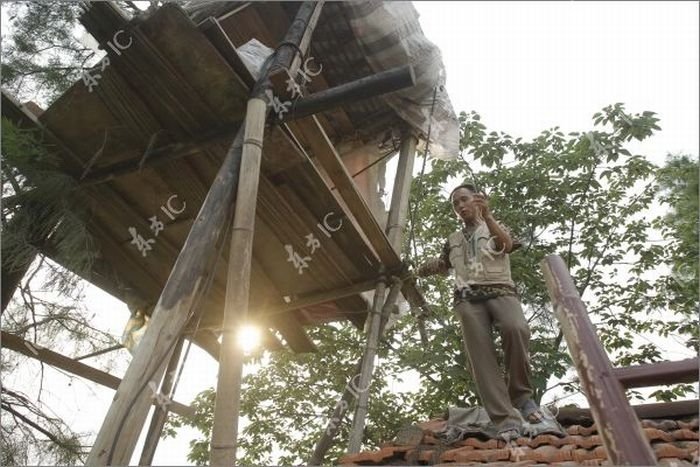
<point x="363" y="88"/>
<point x="227" y="405"/>
<point x="654" y="374"/>
<point x="358" y="425"/>
<point x="396" y="222"/>
<point x="121" y="428"/>
<point x="619" y="428"/>
<point x="367" y="366"/>
<point x="351" y="391"/>
<point x="228" y="392"/>
<point x="160" y="414"/>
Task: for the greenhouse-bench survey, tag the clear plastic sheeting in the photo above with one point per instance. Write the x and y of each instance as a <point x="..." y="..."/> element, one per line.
<point x="390" y="35"/>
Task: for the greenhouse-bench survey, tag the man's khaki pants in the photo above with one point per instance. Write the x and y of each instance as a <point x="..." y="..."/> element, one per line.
<point x="498" y="396"/>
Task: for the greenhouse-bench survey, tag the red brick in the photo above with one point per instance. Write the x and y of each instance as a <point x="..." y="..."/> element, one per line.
<point x="684" y="434"/>
<point x="482" y="455"/>
<point x="450" y="455"/>
<point x="668" y="450"/>
<point x="654" y="434"/>
<point x="479" y="444"/>
<point x="691" y="425"/>
<point x="582" y="455"/>
<point x="549" y="440"/>
<point x="371" y="456"/>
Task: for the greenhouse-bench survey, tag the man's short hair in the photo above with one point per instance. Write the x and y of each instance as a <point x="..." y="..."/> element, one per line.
<point x="469" y="186"/>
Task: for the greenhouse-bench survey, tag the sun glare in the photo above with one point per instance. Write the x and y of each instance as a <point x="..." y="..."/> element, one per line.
<point x="248" y="338"/>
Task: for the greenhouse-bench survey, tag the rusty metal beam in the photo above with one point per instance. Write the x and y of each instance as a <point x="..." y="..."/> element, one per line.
<point x="619" y="428"/>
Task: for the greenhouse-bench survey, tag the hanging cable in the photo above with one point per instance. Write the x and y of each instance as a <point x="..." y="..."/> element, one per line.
<point x="412" y="214"/>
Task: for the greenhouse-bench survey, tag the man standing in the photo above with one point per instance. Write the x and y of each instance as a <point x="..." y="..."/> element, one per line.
<point x="485" y="295"/>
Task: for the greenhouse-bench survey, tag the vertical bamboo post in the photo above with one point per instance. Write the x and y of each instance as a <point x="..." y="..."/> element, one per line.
<point x="375" y="318"/>
<point x="352" y="389"/>
<point x="160" y="414"/>
<point x="124" y="421"/>
<point x="395" y="225"/>
<point x="619" y="428"/>
<point x="396" y="222"/>
<point x="228" y="393"/>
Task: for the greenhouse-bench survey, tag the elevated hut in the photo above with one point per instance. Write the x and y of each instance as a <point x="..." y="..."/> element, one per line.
<point x="199" y="222"/>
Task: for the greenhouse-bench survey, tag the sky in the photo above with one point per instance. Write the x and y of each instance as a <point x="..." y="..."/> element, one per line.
<point x="525" y="67"/>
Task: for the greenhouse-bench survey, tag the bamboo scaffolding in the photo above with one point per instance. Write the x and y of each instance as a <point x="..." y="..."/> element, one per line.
<point x="395" y="224"/>
<point x="226" y="410"/>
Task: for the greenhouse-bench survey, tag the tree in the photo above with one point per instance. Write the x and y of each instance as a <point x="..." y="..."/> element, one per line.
<point x="583" y="196"/>
<point x="42" y="57"/>
<point x="42" y="211"/>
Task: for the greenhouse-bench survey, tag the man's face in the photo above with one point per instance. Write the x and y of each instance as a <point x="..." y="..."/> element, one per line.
<point x="462" y="204"/>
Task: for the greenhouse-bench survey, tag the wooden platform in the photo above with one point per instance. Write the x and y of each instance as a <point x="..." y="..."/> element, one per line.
<point x="160" y="120"/>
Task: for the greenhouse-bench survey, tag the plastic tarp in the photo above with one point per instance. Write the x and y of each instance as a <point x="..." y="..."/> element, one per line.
<point x="390" y="35"/>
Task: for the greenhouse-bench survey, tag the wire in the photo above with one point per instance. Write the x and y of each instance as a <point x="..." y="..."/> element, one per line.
<point x="412" y="237"/>
<point x="422" y="170"/>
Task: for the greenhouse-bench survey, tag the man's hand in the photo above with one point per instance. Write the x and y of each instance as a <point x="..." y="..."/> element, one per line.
<point x="481" y="204"/>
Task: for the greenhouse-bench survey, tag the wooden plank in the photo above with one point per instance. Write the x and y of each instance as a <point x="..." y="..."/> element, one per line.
<point x="396" y="221"/>
<point x="310" y="129"/>
<point x="160" y="155"/>
<point x="211" y="27"/>
<point x="192" y="56"/>
<point x="16" y="343"/>
<point x="313" y="202"/>
<point x="286" y="324"/>
<point x="317" y="298"/>
<point x="618" y="426"/>
<point x="659" y="411"/>
<point x="653" y="374"/>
